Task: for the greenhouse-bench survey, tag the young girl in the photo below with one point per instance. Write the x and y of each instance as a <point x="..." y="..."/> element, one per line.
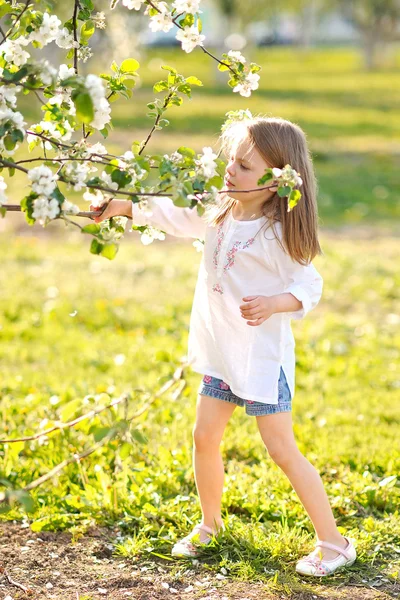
<point x="255" y="275"/>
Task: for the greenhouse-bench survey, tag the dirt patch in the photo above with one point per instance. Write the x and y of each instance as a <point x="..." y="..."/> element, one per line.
<point x="51" y="565"/>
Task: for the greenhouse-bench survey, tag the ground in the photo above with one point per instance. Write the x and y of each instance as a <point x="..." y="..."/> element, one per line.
<point x="52" y="565"/>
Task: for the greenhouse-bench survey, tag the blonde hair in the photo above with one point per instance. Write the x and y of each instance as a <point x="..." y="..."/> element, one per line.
<point x="280" y="142"/>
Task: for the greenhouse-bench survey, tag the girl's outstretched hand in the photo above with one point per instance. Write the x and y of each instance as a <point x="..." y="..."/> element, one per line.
<point x="258" y="309"/>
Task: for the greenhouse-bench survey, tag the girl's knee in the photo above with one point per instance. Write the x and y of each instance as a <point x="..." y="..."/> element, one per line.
<point x="204" y="439"/>
<point x="283" y="454"/>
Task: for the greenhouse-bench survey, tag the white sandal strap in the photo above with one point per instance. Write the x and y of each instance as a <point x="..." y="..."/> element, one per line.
<point x="344" y="551"/>
<point x="205" y="528"/>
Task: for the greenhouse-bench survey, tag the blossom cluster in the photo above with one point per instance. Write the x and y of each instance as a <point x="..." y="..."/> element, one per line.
<point x="102" y="109"/>
<point x="287" y="176"/>
<point x="207" y="163"/>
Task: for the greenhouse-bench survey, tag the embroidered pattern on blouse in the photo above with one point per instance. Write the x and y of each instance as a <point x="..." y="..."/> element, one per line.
<point x="218" y="288"/>
<point x="231" y="253"/>
<point x="217" y="250"/>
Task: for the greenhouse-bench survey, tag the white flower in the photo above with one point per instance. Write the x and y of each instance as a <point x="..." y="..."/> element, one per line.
<point x="187" y="6"/>
<point x="47" y="72"/>
<point x="45" y="209"/>
<point x="207" y="163"/>
<point x="43" y="180"/>
<point x="236" y="56"/>
<point x="13" y="53"/>
<point x="65" y="71"/>
<point x="84" y="53"/>
<point x="3" y="186"/>
<point x="48" y="30"/>
<point x="199" y="245"/>
<point x="128" y="155"/>
<point x="144" y="207"/>
<point x="69" y="208"/>
<point x="162" y="21"/>
<point x="101" y="106"/>
<point x="151" y="234"/>
<point x="65" y="39"/>
<point x="8" y="95"/>
<point x="250" y="83"/>
<point x="276" y="172"/>
<point x="96" y="198"/>
<point x="97" y="148"/>
<point x="77" y="173"/>
<point x="130" y="4"/>
<point x="7" y="114"/>
<point x="108" y="182"/>
<point x="190" y="38"/>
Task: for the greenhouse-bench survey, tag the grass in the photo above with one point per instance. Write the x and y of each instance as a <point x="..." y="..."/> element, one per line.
<point x="128" y="332"/>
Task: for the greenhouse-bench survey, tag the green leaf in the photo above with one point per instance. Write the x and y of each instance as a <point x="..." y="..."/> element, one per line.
<point x="185" y="151"/>
<point x="121" y="177"/>
<point x="283" y="191"/>
<point x="87" y="30"/>
<point x="187" y="21"/>
<point x="185" y="89"/>
<point x="100" y="432"/>
<point x="84" y="107"/>
<point x="92" y="228"/>
<point x="96" y="247"/>
<point x="9" y="143"/>
<point x="170" y="69"/>
<point x="266" y="177"/>
<point x="129" y="65"/>
<point x="294" y="197"/>
<point x="223" y="68"/>
<point x="125" y="450"/>
<point x="192" y="80"/>
<point x="139" y="436"/>
<point x="109" y="251"/>
<point x="160" y="86"/>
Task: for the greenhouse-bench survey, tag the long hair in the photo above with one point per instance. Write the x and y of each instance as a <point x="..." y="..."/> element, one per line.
<point x="280" y="142"/>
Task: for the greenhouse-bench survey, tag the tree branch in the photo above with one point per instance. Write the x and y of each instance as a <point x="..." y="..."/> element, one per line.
<point x="9" y="32"/>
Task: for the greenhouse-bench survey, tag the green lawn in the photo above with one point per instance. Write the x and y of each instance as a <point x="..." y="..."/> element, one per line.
<point x="66" y="319"/>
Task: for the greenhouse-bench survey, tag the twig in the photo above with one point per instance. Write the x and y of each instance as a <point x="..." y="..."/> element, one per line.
<point x="15" y="22"/>
<point x="77" y="457"/>
<point x="166" y="102"/>
<point x="75" y="27"/>
<point x="25" y="589"/>
<point x="72" y="423"/>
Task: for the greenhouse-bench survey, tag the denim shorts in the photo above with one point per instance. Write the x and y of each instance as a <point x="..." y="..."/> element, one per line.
<point x="212" y="386"/>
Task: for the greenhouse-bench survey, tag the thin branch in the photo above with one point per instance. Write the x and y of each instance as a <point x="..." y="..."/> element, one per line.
<point x="78" y="457"/>
<point x="25" y="589"/>
<point x="75" y="26"/>
<point x="202" y="47"/>
<point x="72" y="423"/>
<point x="166" y="102"/>
<point x="9" y="32"/>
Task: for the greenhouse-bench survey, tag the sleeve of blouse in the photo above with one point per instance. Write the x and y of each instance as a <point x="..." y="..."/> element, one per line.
<point x="174" y="220"/>
<point x="303" y="281"/>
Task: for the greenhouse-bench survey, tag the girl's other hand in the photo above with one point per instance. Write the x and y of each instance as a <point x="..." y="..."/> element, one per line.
<point x="114" y="208"/>
<point x="258" y="309"/>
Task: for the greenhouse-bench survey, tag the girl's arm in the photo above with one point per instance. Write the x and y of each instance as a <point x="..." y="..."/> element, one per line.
<point x="302" y="281"/>
<point x="174" y="220"/>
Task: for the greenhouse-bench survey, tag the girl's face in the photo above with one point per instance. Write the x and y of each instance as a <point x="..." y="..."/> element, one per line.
<point x="245" y="167"/>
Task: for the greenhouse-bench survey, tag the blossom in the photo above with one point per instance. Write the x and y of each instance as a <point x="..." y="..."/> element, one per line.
<point x="150" y="235"/>
<point x="64" y="72"/>
<point x="43" y="180"/>
<point x="288" y="176"/>
<point x="199" y="245"/>
<point x="45" y="209"/>
<point x="8" y="95"/>
<point x="99" y="19"/>
<point x="13" y="116"/>
<point x="250" y="83"/>
<point x="236" y="56"/>
<point x="162" y="21"/>
<point x="3" y="186"/>
<point x="96" y="198"/>
<point x="48" y="30"/>
<point x="145" y="208"/>
<point x="187" y="6"/>
<point x="77" y="173"/>
<point x="130" y="4"/>
<point x="190" y="38"/>
<point x="207" y="163"/>
<point x="13" y="53"/>
<point x="97" y="148"/>
<point x="108" y="182"/>
<point x="47" y="72"/>
<point x="101" y="106"/>
<point x="69" y="208"/>
<point x="65" y="39"/>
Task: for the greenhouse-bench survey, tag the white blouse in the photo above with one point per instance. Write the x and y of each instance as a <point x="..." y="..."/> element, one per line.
<point x="241" y="258"/>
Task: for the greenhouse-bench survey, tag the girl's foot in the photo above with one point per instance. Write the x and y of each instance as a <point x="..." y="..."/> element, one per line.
<point x="319" y="564"/>
<point x="201" y="533"/>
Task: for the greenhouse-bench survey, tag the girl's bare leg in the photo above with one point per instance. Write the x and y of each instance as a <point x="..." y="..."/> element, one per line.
<point x="211" y="419"/>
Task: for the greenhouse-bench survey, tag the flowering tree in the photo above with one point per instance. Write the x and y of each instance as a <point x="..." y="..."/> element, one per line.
<point x="75" y="107"/>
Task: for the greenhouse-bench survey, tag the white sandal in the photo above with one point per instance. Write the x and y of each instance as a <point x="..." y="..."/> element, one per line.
<point x="314" y="565"/>
<point x="185" y="547"/>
